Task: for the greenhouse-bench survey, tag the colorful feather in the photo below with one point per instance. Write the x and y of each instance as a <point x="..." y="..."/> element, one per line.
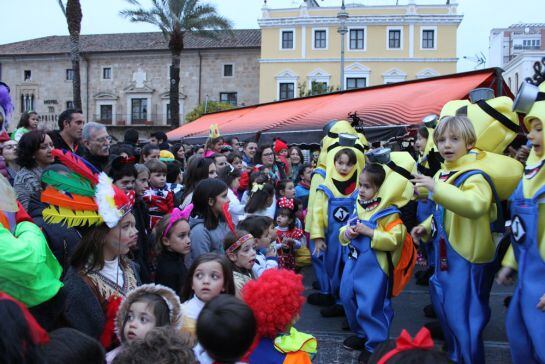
<point x="71" y="218"/>
<point x="69" y="200"/>
<point x="77" y="165"/>
<point x="70" y="182"/>
<point x="228" y="218"/>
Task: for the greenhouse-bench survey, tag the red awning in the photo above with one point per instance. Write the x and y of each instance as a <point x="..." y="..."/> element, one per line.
<point x="379" y="107"/>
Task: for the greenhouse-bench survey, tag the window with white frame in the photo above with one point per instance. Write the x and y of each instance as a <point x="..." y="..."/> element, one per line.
<point x="355" y="82"/>
<point x="428" y="39"/>
<point x="394" y="39"/>
<point x="287" y="90"/>
<point x="106" y="113"/>
<point x="287" y="39"/>
<point x="357" y="39"/>
<point x="320" y="39"/>
<point x="139" y="110"/>
<point x="229" y="98"/>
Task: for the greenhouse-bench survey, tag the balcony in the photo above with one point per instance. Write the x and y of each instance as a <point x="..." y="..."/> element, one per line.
<point x="154" y="119"/>
<point x="519" y="47"/>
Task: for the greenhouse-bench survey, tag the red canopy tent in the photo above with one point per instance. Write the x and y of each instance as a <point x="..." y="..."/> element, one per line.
<point x="384" y="111"/>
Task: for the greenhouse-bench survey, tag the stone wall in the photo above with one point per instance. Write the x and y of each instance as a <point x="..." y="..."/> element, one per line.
<point x="143" y="75"/>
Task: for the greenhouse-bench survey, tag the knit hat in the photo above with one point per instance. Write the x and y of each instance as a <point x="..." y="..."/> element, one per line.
<point x="279" y="145"/>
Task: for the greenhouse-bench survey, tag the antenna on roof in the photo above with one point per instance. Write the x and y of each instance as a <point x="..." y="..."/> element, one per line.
<point x="478" y="59"/>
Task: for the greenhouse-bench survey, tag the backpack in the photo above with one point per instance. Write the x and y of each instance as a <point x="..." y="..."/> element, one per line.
<point x="402" y="272"/>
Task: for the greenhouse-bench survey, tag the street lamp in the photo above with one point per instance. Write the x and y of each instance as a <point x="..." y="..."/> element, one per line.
<point x="342" y="30"/>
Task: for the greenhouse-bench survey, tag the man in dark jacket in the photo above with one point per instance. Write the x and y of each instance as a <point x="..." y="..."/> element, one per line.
<point x="70" y="131"/>
<point x="96" y="140"/>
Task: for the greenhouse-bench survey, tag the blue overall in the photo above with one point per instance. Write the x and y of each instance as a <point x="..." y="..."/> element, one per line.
<point x="424" y="209"/>
<point x="338" y="212"/>
<point x="526" y="323"/>
<point x="460" y="290"/>
<point x="365" y="289"/>
<point x="318" y="261"/>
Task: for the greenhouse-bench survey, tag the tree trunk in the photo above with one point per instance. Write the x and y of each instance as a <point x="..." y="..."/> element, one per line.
<point x="73" y="18"/>
<point x="76" y="81"/>
<point x="175" y="90"/>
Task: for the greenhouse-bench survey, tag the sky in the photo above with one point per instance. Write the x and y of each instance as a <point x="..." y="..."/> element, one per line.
<point x="27" y="19"/>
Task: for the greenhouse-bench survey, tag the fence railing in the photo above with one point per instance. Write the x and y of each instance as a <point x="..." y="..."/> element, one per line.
<point x="121" y="119"/>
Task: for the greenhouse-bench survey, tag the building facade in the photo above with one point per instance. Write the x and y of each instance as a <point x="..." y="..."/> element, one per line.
<point x="516" y="49"/>
<point x="125" y="77"/>
<point x="301" y="48"/>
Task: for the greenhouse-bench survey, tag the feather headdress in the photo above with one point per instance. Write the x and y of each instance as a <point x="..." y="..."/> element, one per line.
<point x="82" y="197"/>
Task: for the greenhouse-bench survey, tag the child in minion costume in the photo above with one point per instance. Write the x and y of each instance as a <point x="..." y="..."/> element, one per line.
<point x="367" y="280"/>
<point x="331" y="130"/>
<point x="468" y="191"/>
<point x="334" y="201"/>
<point x="525" y="320"/>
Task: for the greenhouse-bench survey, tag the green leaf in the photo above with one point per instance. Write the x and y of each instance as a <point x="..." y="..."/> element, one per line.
<point x="70" y="182"/>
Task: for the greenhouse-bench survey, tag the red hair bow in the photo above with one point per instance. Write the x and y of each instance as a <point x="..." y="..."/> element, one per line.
<point x="421" y="341"/>
<point x="286" y="203"/>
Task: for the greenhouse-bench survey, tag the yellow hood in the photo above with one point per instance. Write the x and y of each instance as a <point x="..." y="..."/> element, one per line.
<point x="534" y="173"/>
<point x="340" y="127"/>
<point x="396" y="189"/>
<point x="504" y="171"/>
<point x="332" y="174"/>
<point x="492" y="135"/>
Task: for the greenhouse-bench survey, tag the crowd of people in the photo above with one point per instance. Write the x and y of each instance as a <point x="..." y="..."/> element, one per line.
<point x="167" y="252"/>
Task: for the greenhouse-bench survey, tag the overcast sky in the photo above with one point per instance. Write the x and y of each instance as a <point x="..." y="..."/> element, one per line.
<point x="27" y="19"/>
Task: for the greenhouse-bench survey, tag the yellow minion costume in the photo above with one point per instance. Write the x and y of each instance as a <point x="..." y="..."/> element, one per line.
<point x="467" y="194"/>
<point x="525" y="322"/>
<point x="335" y="199"/>
<point x="332" y="130"/>
<point x="368" y="273"/>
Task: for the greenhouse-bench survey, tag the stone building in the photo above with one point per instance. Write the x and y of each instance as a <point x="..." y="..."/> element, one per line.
<point x="125" y="77"/>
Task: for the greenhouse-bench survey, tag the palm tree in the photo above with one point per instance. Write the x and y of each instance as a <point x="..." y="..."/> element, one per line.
<point x="72" y="13"/>
<point x="174" y="18"/>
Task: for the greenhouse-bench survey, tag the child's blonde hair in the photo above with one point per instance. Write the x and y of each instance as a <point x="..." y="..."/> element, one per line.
<point x="458" y="124"/>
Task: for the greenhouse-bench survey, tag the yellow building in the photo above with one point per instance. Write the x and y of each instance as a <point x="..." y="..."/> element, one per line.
<point x="388" y="43"/>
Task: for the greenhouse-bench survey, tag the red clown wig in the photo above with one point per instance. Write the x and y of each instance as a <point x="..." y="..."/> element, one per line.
<point x="276" y="299"/>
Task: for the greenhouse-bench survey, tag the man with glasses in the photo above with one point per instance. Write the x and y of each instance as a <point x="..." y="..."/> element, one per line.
<point x="97" y="143"/>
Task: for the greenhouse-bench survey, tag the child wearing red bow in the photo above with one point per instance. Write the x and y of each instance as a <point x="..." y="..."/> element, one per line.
<point x="289" y="238"/>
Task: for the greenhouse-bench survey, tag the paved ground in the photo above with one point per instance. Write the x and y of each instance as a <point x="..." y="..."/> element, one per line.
<point x="408" y="315"/>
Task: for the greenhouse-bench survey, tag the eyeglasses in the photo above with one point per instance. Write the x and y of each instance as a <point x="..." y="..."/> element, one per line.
<point x="104" y="140"/>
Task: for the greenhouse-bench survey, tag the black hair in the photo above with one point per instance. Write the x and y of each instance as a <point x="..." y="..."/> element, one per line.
<point x="159" y="135"/>
<point x="256" y="225"/>
<point x="299" y="151"/>
<point x="173" y="171"/>
<point x="118" y="149"/>
<point x="414" y="356"/>
<point x="68" y="345"/>
<point x="352" y="159"/>
<point x="25" y="117"/>
<point x="174" y="149"/>
<point x="260" y="150"/>
<point x="376" y="174"/>
<point x="160" y="309"/>
<point x="302" y="169"/>
<point x="424" y="132"/>
<point x="232" y="156"/>
<point x="16" y="343"/>
<point x="281" y="186"/>
<point x="228" y="174"/>
<point x="148" y="148"/>
<point x="197" y="170"/>
<point x="226" y="328"/>
<point x="289" y="213"/>
<point x="160" y="345"/>
<point x="207" y="189"/>
<point x="119" y="167"/>
<point x="28" y="145"/>
<point x="230" y="238"/>
<point x="66" y="115"/>
<point x="228" y="282"/>
<point x="131" y="136"/>
<point x="258" y="199"/>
